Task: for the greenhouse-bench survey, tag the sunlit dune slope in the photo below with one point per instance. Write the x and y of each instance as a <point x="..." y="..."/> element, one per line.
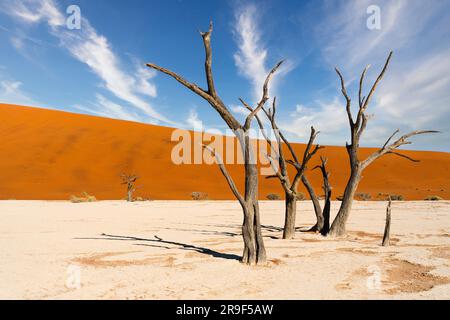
<point x="48" y="154"/>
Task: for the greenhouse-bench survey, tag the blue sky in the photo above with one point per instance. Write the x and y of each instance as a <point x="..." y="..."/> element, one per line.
<point x="100" y="70"/>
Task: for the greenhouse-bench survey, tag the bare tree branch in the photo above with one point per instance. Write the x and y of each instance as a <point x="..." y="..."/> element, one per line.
<point x="361" y="82"/>
<point x="225" y="173"/>
<point x="369" y="96"/>
<point x="209" y="95"/>
<point x="391" y="148"/>
<point x="390" y="138"/>
<point x="265" y="96"/>
<point x="347" y="98"/>
<point x="403" y="156"/>
<point x="208" y="60"/>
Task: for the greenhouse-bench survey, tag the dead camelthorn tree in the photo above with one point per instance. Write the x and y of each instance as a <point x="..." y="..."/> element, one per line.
<point x="387" y="227"/>
<point x="254" y="250"/>
<point x="323" y="226"/>
<point x="129" y="180"/>
<point x="280" y="167"/>
<point x="317" y="208"/>
<point x="357" y="166"/>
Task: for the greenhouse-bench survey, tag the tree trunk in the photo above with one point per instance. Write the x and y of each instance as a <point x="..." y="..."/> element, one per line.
<point x="254" y="250"/>
<point x="387" y="228"/>
<point x="338" y="227"/>
<point x="290" y="215"/>
<point x="317" y="209"/>
<point x="130" y="195"/>
<point x="326" y="216"/>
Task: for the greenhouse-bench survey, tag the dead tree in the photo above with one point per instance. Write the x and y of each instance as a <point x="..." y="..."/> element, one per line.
<point x="254" y="250"/>
<point x="387" y="227"/>
<point x="323" y="226"/>
<point x="281" y="172"/>
<point x="317" y="208"/>
<point x="357" y="127"/>
<point x="129" y="180"/>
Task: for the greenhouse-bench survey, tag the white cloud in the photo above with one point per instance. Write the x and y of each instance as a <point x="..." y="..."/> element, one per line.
<point x="193" y="120"/>
<point x="144" y="86"/>
<point x="239" y="110"/>
<point x="11" y="92"/>
<point x="106" y="108"/>
<point x="94" y="50"/>
<point x="420" y="96"/>
<point x="251" y="57"/>
<point x="329" y="118"/>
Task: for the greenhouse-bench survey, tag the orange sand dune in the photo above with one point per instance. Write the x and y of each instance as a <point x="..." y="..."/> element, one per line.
<point x="48" y="154"/>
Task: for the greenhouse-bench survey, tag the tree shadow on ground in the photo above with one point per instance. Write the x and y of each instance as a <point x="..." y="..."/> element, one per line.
<point x="158" y="240"/>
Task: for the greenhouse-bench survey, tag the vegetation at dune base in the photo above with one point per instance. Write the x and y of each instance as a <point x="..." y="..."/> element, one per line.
<point x="84" y="197"/>
<point x="433" y="198"/>
<point x="199" y="196"/>
<point x="361" y="196"/>
<point x="273" y="196"/>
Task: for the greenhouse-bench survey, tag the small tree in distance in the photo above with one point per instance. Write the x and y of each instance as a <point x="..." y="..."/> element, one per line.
<point x="129" y="180"/>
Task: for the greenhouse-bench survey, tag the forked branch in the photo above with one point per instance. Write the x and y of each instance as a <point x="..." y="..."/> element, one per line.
<point x="391" y="148"/>
<point x="226" y="174"/>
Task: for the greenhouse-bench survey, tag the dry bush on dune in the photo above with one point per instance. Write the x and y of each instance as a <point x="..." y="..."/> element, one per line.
<point x="273" y="196"/>
<point x="141" y="199"/>
<point x="300" y="196"/>
<point x="396" y="197"/>
<point x="85" y="197"/>
<point x="361" y="196"/>
<point x="199" y="196"/>
<point x="433" y="198"/>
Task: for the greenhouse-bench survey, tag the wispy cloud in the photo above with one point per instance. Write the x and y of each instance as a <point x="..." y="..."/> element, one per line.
<point x="94" y="50"/>
<point x="328" y="117"/>
<point x="106" y="108"/>
<point x="193" y="121"/>
<point x="12" y="92"/>
<point x="251" y="59"/>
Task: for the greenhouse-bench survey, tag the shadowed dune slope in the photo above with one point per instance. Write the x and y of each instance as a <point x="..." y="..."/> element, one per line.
<point x="47" y="154"/>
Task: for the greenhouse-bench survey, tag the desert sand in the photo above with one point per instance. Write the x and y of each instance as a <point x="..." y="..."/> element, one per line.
<point x="52" y="155"/>
<point x="190" y="250"/>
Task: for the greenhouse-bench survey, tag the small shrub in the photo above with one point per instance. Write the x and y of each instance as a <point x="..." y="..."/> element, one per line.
<point x="199" y="196"/>
<point x="85" y="197"/>
<point x="300" y="196"/>
<point x="397" y="197"/>
<point x="142" y="199"/>
<point x="273" y="196"/>
<point x="361" y="196"/>
<point x="340" y="198"/>
<point x="433" y="198"/>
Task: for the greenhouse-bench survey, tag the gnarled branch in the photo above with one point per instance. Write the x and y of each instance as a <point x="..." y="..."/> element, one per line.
<point x="227" y="176"/>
